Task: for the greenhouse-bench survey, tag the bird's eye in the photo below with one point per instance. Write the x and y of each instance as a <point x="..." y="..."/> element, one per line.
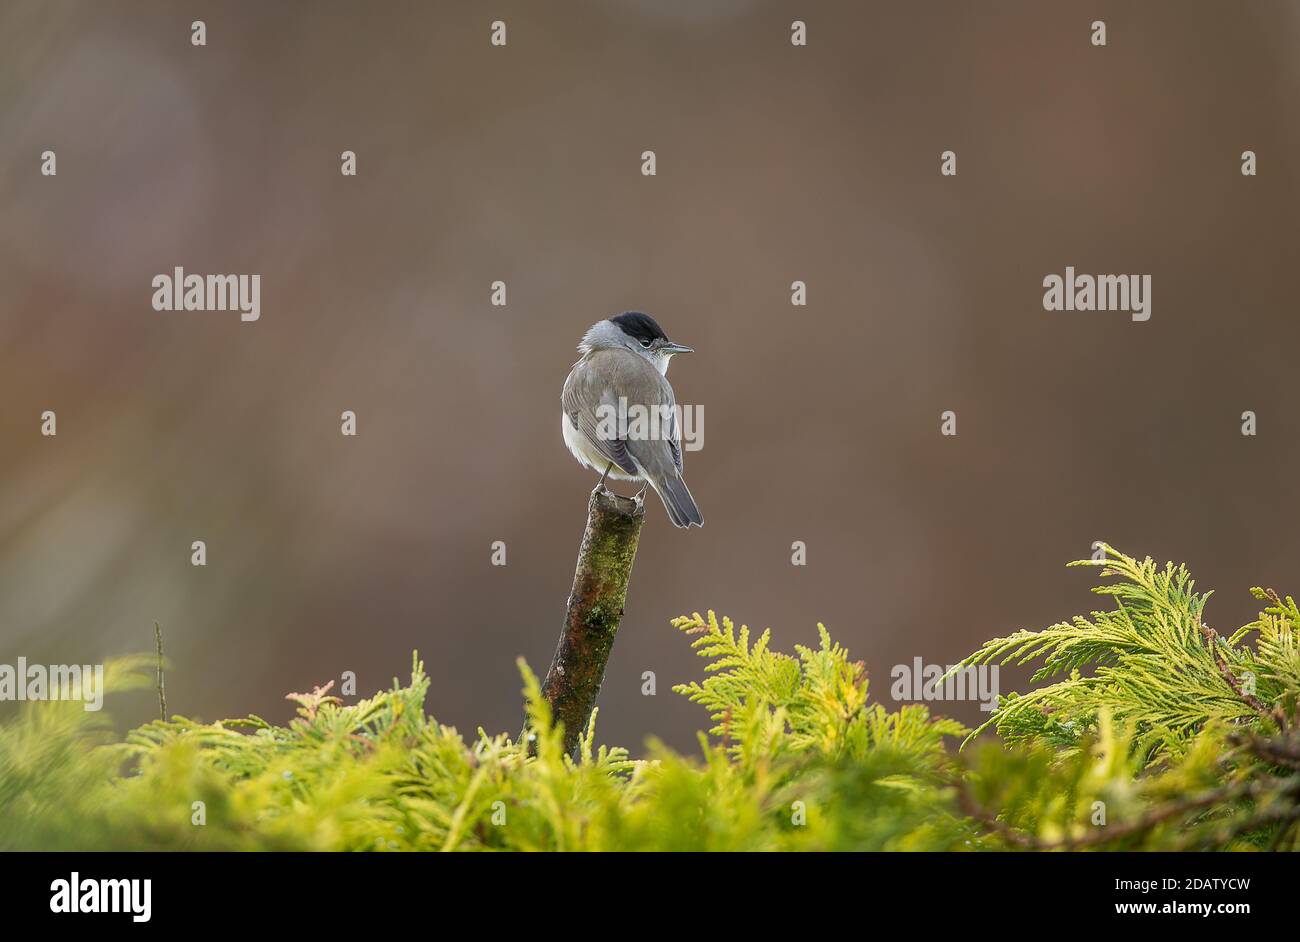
<point x="645" y="343"/>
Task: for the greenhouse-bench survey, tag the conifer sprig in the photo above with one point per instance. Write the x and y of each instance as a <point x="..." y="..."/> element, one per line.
<point x="1151" y="662"/>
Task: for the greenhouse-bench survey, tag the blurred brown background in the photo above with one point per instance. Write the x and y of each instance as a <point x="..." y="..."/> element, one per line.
<point x="476" y="163"/>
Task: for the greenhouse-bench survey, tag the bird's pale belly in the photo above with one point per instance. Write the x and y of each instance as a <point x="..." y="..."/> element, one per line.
<point x="587" y="454"/>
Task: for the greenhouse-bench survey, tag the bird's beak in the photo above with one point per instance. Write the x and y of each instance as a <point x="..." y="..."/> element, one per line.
<point x="671" y="348"/>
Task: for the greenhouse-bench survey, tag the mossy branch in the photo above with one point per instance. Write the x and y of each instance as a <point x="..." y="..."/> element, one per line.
<point x="594" y="610"/>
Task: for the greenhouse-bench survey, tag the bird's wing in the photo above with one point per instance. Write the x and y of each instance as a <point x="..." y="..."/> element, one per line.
<point x="583" y="394"/>
<point x="659" y="455"/>
<point x="675" y="438"/>
<point x="675" y="445"/>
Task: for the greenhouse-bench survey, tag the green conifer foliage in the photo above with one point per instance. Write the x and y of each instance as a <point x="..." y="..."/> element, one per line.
<point x="1144" y="729"/>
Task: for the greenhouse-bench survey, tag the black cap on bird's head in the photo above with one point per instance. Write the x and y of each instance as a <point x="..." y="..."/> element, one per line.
<point x="645" y="330"/>
<point x="634" y="331"/>
<point x="640" y="327"/>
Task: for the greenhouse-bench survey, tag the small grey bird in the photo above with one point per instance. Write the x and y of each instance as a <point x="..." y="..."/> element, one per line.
<point x="623" y="373"/>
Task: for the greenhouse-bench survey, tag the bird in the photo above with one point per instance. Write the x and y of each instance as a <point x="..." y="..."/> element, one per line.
<point x="623" y="372"/>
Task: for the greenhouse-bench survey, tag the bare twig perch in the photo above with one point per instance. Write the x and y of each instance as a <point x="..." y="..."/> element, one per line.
<point x="594" y="610"/>
<point x="162" y="694"/>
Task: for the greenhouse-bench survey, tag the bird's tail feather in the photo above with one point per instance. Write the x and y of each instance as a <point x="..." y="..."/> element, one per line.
<point x="679" y="503"/>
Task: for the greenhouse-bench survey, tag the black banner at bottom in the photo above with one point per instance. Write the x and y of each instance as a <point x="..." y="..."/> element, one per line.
<point x="334" y="891"/>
